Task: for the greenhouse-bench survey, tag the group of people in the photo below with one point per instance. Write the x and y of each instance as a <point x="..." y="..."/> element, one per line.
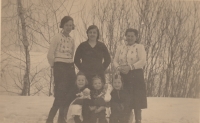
<point x="79" y="97"/>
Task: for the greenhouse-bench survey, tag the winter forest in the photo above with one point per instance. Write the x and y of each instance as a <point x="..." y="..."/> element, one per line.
<point x="169" y="30"/>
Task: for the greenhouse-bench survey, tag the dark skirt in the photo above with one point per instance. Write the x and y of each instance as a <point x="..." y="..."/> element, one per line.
<point x="135" y="85"/>
<point x="64" y="78"/>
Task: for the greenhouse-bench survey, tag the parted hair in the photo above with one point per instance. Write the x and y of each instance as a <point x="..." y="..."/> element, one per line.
<point x="117" y="76"/>
<point x="96" y="77"/>
<point x="81" y="74"/>
<point x="135" y="32"/>
<point x="65" y="19"/>
<point x="93" y="27"/>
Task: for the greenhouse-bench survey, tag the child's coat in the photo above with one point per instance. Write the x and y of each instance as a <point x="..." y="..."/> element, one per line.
<point x="120" y="106"/>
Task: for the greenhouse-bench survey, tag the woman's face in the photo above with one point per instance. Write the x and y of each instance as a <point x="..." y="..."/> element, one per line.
<point x="68" y="26"/>
<point x="97" y="84"/>
<point x="130" y="37"/>
<point x="117" y="84"/>
<point x="81" y="81"/>
<point x="92" y="34"/>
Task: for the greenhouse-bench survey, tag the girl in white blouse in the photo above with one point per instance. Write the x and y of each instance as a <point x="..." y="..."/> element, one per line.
<point x="129" y="60"/>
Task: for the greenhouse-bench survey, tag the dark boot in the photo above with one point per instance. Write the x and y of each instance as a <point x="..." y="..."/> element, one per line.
<point x="49" y="121"/>
<point x="138" y="117"/>
<point x="52" y="114"/>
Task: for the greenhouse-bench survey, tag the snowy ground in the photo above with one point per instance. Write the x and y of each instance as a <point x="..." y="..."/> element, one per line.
<point x="34" y="109"/>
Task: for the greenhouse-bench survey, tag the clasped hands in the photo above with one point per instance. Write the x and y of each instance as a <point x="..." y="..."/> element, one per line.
<point x="95" y="109"/>
<point x="124" y="69"/>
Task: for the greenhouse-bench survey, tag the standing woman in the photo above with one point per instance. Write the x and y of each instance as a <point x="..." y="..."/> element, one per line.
<point x="60" y="57"/>
<point x="92" y="57"/>
<point x="129" y="60"/>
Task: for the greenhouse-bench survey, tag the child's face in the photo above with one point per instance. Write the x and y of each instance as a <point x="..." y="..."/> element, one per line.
<point x="97" y="84"/>
<point x="81" y="81"/>
<point x="117" y="84"/>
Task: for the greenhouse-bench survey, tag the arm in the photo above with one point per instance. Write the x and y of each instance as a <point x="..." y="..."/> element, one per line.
<point x="101" y="108"/>
<point x="142" y="58"/>
<point x="51" y="52"/>
<point x="78" y="57"/>
<point x="73" y="48"/>
<point x="107" y="58"/>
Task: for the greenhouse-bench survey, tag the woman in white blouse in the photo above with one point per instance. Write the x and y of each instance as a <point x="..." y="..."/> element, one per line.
<point x="61" y="58"/>
<point x="129" y="60"/>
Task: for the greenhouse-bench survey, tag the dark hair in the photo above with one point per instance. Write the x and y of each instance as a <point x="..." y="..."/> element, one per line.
<point x="93" y="27"/>
<point x="96" y="77"/>
<point x="117" y="76"/>
<point x="65" y="20"/>
<point x="135" y="32"/>
<point x="81" y="74"/>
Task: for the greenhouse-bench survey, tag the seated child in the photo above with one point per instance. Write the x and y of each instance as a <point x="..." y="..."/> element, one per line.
<point x="76" y="98"/>
<point x="98" y="104"/>
<point x="120" y="101"/>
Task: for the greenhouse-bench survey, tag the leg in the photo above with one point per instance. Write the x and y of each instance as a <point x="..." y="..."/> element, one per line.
<point x="86" y="113"/>
<point x="92" y="119"/>
<point x="77" y="119"/>
<point x="138" y="116"/>
<point x="102" y="119"/>
<point x="65" y="77"/>
<point x="114" y="119"/>
<point x="126" y="117"/>
<point x="53" y="111"/>
<point x="61" y="117"/>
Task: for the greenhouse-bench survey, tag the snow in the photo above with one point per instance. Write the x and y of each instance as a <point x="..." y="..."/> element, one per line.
<point x="34" y="109"/>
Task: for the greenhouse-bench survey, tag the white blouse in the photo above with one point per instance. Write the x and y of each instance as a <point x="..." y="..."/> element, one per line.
<point x="132" y="55"/>
<point x="61" y="49"/>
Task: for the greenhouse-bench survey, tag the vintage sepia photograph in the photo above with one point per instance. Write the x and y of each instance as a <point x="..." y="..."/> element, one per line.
<point x="100" y="61"/>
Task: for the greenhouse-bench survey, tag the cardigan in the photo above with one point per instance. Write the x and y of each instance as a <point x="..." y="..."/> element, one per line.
<point x="132" y="55"/>
<point x="61" y="49"/>
<point x="92" y="60"/>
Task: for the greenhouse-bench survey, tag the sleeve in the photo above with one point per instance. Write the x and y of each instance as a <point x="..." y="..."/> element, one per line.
<point x="142" y="58"/>
<point x="107" y="58"/>
<point x="116" y="58"/>
<point x="51" y="52"/>
<point x="73" y="48"/>
<point x="78" y="57"/>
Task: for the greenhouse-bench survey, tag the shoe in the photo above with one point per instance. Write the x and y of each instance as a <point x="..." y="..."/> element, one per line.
<point x="48" y="121"/>
<point x="138" y="121"/>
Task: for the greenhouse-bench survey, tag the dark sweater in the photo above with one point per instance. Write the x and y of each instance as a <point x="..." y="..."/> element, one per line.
<point x="92" y="60"/>
<point x="120" y="101"/>
<point x="95" y="100"/>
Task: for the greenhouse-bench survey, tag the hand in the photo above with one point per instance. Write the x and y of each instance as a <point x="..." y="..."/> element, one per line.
<point x="99" y="109"/>
<point x="120" y="69"/>
<point x="92" y="108"/>
<point x="125" y="69"/>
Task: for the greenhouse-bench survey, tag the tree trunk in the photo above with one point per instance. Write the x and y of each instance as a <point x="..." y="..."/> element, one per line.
<point x="26" y="80"/>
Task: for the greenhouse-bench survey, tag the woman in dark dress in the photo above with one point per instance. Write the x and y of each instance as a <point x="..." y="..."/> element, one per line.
<point x="129" y="61"/>
<point x="92" y="56"/>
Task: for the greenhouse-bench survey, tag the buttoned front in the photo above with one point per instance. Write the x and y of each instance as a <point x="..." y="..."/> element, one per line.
<point x="61" y="49"/>
<point x="65" y="48"/>
<point x="133" y="55"/>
